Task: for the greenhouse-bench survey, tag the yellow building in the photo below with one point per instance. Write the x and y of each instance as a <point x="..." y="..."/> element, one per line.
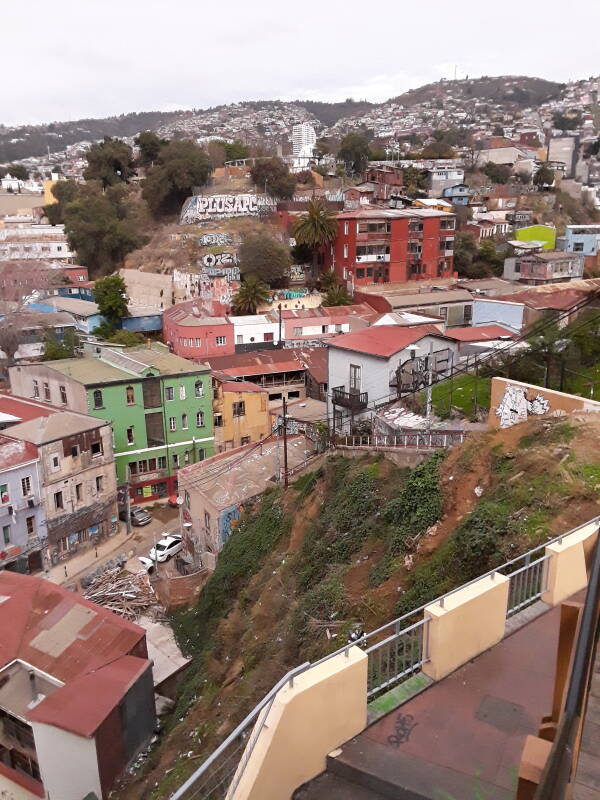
<point x="48" y="196"/>
<point x="240" y="412"/>
<point x="433" y="204"/>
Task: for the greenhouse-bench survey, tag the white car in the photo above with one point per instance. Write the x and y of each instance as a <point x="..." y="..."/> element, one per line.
<point x="166" y="548"/>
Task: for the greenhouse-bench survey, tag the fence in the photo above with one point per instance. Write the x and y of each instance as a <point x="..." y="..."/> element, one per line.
<point x="395" y="651"/>
<point x="427" y="439"/>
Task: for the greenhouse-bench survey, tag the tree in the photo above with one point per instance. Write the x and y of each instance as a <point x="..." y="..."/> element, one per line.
<point x="150" y="146"/>
<point x="465" y="251"/>
<point x="354" y="152"/>
<point x="55" y="349"/>
<point x="438" y="150"/>
<point x="251" y="294"/>
<point x="103" y="227"/>
<point x="497" y="173"/>
<point x="415" y="181"/>
<point x="337" y="296"/>
<point x="236" y="150"/>
<point x="329" y="280"/>
<point x="273" y="176"/>
<point x="109" y="162"/>
<point x="64" y="192"/>
<point x="18" y="171"/>
<point x="126" y="338"/>
<point x="316" y="228"/>
<point x="544" y="177"/>
<point x="180" y="166"/>
<point x="110" y="294"/>
<point x="264" y="257"/>
<point x="322" y="148"/>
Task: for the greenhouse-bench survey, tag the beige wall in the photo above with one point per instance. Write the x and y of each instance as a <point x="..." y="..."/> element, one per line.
<point x="21" y="384"/>
<point x="471" y="621"/>
<point x="566" y="568"/>
<point x="12" y="791"/>
<point x="513" y="402"/>
<point x="326" y="706"/>
<point x="68" y="763"/>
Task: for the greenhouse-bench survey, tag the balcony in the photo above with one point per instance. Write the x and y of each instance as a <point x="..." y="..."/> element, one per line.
<point x="354" y="400"/>
<point x="372" y="257"/>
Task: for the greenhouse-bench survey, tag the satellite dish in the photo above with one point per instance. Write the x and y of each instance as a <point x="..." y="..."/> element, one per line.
<point x="180" y="501"/>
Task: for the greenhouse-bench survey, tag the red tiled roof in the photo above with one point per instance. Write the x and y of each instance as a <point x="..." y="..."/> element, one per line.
<point x="383" y="341"/>
<point x="481" y="333"/>
<point x="25" y="408"/>
<point x="66" y="636"/>
<point x="14" y="452"/>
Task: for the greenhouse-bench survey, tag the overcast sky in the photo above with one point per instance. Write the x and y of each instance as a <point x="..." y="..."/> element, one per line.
<point x="67" y="59"/>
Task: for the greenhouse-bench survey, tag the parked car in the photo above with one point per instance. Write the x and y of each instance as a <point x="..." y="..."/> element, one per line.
<point x="166" y="548"/>
<point x="140" y="516"/>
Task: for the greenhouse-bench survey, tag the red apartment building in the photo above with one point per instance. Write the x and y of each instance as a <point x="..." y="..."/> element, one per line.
<point x="189" y="333"/>
<point x="381" y="245"/>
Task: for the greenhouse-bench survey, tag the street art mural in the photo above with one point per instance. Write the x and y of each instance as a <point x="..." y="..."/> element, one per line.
<point x="296" y="273"/>
<point x="201" y="207"/>
<point x="219" y="259"/>
<point x="215" y="239"/>
<point x="515" y="406"/>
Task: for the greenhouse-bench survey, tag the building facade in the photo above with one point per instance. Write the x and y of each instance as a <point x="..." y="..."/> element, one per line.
<point x="22" y="521"/>
<point x="190" y="333"/>
<point x="381" y="245"/>
<point x="550" y="266"/>
<point x="240" y="412"/>
<point x="160" y="406"/>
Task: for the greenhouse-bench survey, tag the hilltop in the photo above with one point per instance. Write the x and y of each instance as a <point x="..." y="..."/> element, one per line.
<point x="351" y="545"/>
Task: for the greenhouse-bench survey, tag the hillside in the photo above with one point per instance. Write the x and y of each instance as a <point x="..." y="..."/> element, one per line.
<point x="512" y="91"/>
<point x="350" y="546"/>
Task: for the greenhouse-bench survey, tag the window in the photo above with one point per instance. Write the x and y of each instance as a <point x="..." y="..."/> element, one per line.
<point x="360" y="273"/>
<point x="297" y="331"/>
<point x="26" y="486"/>
<point x="133" y="468"/>
<point x="338" y="328"/>
<point x="55" y="463"/>
<point x="239" y="339"/>
<point x="78" y="491"/>
<point x="577" y="248"/>
<point x="207" y="521"/>
<point x="98" y="483"/>
<point x="98" y="403"/>
<point x="4" y="494"/>
<point x="58" y="500"/>
<point x="36" y="389"/>
<point x="201" y="454"/>
<point x="182" y="392"/>
<point x="245" y="440"/>
<point x="239" y="409"/>
<point x="345" y="251"/>
<point x="354" y="378"/>
<point x="175" y="460"/>
<point x="443" y="312"/>
<point x="152" y="464"/>
<point x="199" y="389"/>
<point x="162" y="462"/>
<point x="169" y="393"/>
<point x="63" y="395"/>
<point x="221" y="340"/>
<point x="30" y="524"/>
<point x="74" y="451"/>
<point x="293" y="395"/>
<point x="218" y="420"/>
<point x="172" y="424"/>
<point x="96" y="449"/>
<point x="468" y="313"/>
<point x="184" y="422"/>
<point x="186" y="457"/>
<point x="200" y="419"/>
<point x="6" y="534"/>
<point x="268" y="337"/>
<point x="143" y="465"/>
<point x="130" y="394"/>
<point x="130" y="439"/>
<point x="46" y="391"/>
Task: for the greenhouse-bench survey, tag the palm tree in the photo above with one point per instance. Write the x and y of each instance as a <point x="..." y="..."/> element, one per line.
<point x="337" y="296"/>
<point x="316" y="228"/>
<point x="251" y="294"/>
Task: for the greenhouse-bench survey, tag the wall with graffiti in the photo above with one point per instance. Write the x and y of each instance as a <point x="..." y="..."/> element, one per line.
<point x="513" y="402"/>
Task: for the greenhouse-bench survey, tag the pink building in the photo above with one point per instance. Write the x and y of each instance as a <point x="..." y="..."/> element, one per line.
<point x="191" y="334"/>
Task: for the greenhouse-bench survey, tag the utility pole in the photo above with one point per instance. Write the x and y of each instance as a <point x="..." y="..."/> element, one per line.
<point x="127" y="508"/>
<point x="285" y="451"/>
<point x="429" y="382"/>
<point x="279" y="343"/>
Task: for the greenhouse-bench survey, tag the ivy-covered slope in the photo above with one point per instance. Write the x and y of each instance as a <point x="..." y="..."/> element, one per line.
<point x="350" y="546"/>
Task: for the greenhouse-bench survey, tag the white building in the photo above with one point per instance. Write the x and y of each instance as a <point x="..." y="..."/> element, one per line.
<point x="255" y="329"/>
<point x="304" y="139"/>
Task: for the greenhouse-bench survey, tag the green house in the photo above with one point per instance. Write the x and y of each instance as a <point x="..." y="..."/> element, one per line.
<point x="160" y="406"/>
<point x="545" y="234"/>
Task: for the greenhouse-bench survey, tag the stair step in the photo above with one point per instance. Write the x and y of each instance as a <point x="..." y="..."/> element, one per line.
<point x="328" y="786"/>
<point x="396" y="776"/>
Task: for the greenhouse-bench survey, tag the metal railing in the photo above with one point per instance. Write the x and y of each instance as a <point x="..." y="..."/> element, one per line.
<point x="397" y="656"/>
<point x="395" y="651"/>
<point x="429" y="439"/>
<point x="349" y="399"/>
<point x="220" y="774"/>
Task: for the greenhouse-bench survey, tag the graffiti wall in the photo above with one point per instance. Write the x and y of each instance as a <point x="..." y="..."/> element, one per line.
<point x="222" y="206"/>
<point x="214" y="239"/>
<point x="513" y="402"/>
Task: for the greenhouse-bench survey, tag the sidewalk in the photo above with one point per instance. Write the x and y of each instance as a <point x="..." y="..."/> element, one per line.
<point x="138" y="542"/>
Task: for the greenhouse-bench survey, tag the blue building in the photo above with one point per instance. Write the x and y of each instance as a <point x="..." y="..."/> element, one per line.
<point x="143" y="319"/>
<point x="583" y="239"/>
<point x="458" y="195"/>
<point x="86" y="314"/>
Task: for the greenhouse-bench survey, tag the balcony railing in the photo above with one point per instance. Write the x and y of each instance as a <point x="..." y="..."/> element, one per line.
<point x="372" y="257"/>
<point x="353" y="400"/>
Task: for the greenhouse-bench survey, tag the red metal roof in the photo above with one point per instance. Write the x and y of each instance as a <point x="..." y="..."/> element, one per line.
<point x="14" y="452"/>
<point x="383" y="341"/>
<point x="481" y="333"/>
<point x="241" y="386"/>
<point x="257" y="362"/>
<point x="66" y="636"/>
<point x="25" y="408"/>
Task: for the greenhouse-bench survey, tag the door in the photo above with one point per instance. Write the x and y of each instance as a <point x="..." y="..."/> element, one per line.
<point x="354" y="379"/>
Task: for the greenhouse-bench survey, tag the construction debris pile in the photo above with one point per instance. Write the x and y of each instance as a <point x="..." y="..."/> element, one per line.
<point x="126" y="594"/>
